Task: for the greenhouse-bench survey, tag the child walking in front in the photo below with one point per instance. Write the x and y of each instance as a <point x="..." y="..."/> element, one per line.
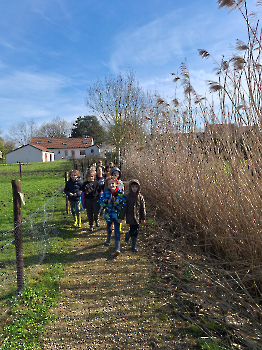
<point x="116" y="172"/>
<point x="135" y="210"/>
<point x="112" y="200"/>
<point x="92" y="190"/>
<point x="73" y="189"/>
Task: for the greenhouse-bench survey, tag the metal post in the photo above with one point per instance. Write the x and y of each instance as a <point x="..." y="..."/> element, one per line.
<point x="20" y="168"/>
<point x="16" y="186"/>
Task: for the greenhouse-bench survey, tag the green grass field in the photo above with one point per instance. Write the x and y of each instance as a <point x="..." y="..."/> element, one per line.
<point x="39" y="181"/>
<point x="42" y="186"/>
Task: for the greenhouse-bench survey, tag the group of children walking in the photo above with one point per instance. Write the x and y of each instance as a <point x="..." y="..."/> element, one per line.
<point x="103" y="191"/>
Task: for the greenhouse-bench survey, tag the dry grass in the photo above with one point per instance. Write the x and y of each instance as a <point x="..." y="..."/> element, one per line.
<point x="217" y="201"/>
<point x="203" y="294"/>
<point x="206" y="187"/>
<point x="209" y="184"/>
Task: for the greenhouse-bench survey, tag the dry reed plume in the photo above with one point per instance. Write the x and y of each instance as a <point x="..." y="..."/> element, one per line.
<point x="206" y="186"/>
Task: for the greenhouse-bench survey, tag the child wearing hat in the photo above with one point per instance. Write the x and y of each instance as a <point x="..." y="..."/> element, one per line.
<point x="116" y="172"/>
<point x="135" y="211"/>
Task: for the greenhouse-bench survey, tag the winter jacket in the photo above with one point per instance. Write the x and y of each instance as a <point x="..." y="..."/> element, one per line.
<point x="73" y="187"/>
<point x="135" y="207"/>
<point x="101" y="181"/>
<point x="112" y="210"/>
<point x="92" y="189"/>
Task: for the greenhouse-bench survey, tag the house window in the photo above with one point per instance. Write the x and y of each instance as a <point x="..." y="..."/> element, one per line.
<point x="92" y="151"/>
<point x="73" y="153"/>
<point x="82" y="152"/>
<point x="84" y="141"/>
<point x="58" y="152"/>
<point x="66" y="152"/>
<point x="38" y="142"/>
<point x="64" y="143"/>
<point x="49" y="141"/>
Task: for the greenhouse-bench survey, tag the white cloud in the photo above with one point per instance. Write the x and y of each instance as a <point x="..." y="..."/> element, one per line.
<point x="38" y="97"/>
<point x="156" y="42"/>
<point x="46" y="8"/>
<point x="7" y="44"/>
<point x="24" y="83"/>
<point x="177" y="35"/>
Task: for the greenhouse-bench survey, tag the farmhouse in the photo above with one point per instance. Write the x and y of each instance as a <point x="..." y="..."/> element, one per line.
<point x="68" y="148"/>
<point x="30" y="154"/>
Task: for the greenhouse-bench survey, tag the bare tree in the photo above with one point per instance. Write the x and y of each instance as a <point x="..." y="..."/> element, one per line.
<point x="55" y="128"/>
<point x="20" y="134"/>
<point x="119" y="101"/>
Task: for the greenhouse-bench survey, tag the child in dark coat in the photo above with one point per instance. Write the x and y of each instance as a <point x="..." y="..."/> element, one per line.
<point x="112" y="200"/>
<point x="100" y="178"/>
<point x="135" y="210"/>
<point x="73" y="189"/>
<point x="92" y="190"/>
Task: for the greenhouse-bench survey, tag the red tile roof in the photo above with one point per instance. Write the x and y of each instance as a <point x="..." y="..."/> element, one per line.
<point x="41" y="148"/>
<point x="53" y="143"/>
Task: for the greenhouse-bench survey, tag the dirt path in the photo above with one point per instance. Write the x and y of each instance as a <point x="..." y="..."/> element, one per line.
<point x="107" y="302"/>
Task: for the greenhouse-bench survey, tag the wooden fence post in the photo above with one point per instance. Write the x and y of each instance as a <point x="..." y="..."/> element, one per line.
<point x="83" y="169"/>
<point x="16" y="186"/>
<point x="20" y="168"/>
<point x="67" y="203"/>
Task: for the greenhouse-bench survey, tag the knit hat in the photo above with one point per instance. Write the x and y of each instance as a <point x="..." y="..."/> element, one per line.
<point x="115" y="169"/>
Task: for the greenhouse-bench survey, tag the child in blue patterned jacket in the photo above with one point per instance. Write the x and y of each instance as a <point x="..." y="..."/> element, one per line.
<point x="112" y="200"/>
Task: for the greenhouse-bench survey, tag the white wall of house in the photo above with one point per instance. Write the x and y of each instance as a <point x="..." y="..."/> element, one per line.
<point x="48" y="156"/>
<point x="28" y="154"/>
<point x="76" y="153"/>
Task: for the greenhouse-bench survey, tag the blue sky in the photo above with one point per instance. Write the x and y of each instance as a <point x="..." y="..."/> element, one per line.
<point x="52" y="50"/>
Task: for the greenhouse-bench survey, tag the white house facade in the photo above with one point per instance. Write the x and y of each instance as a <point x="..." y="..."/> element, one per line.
<point x="68" y="148"/>
<point x="29" y="154"/>
<point x="75" y="153"/>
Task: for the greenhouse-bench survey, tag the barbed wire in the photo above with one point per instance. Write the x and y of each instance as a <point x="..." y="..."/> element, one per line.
<point x="38" y="228"/>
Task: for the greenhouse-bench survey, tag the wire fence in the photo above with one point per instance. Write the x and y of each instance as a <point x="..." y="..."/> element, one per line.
<point x="38" y="231"/>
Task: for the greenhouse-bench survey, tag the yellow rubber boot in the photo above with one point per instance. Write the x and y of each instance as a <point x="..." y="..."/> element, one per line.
<point x="75" y="221"/>
<point x="120" y="227"/>
<point x="79" y="221"/>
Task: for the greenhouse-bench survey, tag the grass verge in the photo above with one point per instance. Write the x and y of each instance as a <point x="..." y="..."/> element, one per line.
<point x="25" y="322"/>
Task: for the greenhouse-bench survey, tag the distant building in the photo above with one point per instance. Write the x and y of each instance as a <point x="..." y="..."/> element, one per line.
<point x="68" y="148"/>
<point x="29" y="154"/>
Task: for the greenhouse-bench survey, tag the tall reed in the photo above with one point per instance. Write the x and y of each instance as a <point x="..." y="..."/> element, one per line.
<point x="209" y="183"/>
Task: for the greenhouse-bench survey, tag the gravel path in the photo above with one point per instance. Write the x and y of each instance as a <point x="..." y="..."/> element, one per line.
<point x="107" y="302"/>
